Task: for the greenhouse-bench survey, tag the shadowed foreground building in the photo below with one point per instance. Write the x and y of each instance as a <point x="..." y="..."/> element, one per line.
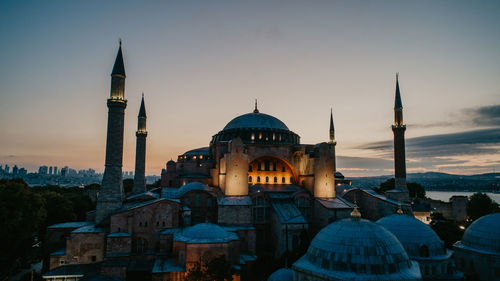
<point x="254" y="189"/>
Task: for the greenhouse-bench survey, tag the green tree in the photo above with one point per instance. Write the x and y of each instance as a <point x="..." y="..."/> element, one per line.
<point x="22" y="212"/>
<point x="216" y="269"/>
<point x="414" y="189"/>
<point x="480" y="204"/>
<point x="448" y="230"/>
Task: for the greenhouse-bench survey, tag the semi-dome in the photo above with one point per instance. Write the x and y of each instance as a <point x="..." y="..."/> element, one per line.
<point x="357" y="249"/>
<point x="204" y="233"/>
<point x="483" y="235"/>
<point x="418" y="239"/>
<point x="256" y="120"/>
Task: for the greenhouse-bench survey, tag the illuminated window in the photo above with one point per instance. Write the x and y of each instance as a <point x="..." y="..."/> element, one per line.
<point x="250" y="179"/>
<point x="274" y="136"/>
<point x="258" y="179"/>
<point x="253" y="136"/>
<point x="260" y="136"/>
<point x="267" y="179"/>
<point x="275" y="179"/>
<point x="283" y="180"/>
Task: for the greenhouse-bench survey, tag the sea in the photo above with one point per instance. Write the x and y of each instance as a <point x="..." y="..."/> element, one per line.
<point x="445" y="195"/>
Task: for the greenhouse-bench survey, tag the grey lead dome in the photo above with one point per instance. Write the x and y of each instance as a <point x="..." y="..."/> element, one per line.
<point x="357" y="248"/>
<point x="256" y="120"/>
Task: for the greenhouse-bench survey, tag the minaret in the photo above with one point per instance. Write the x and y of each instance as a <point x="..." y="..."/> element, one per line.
<point x="399" y="145"/>
<point x="140" y="151"/>
<point x="111" y="193"/>
<point x="332" y="129"/>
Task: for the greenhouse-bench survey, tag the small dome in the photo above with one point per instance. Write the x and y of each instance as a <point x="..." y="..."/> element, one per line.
<point x="483" y="234"/>
<point x="256" y="120"/>
<point x="171" y="162"/>
<point x="282" y="274"/>
<point x="204" y="233"/>
<point x="418" y="239"/>
<point x="198" y="151"/>
<point x="195" y="185"/>
<point x="360" y="249"/>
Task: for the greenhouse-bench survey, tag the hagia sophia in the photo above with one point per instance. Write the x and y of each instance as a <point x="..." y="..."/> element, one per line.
<point x="257" y="187"/>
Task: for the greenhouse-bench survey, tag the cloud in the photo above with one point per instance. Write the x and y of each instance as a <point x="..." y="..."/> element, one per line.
<point x="474" y="142"/>
<point x="486" y="115"/>
<point x="347" y="162"/>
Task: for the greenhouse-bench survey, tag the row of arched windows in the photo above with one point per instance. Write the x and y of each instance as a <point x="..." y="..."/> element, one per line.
<point x="267" y="179"/>
<point x="258" y="136"/>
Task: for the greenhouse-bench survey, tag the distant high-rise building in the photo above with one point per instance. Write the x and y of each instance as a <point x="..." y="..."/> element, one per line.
<point x="55" y="170"/>
<point x="7" y="169"/>
<point x="140" y="151"/>
<point x="50" y="170"/>
<point x="15" y="170"/>
<point x="64" y="171"/>
<point x="23" y="172"/>
<point x="42" y="170"/>
<point x="111" y="193"/>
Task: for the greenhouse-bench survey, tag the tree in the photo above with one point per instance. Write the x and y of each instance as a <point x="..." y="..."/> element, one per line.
<point x="216" y="269"/>
<point x="480" y="204"/>
<point x="414" y="189"/>
<point x="448" y="230"/>
<point x="22" y="212"/>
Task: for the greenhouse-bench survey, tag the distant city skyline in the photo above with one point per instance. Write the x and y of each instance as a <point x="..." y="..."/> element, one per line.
<point x="201" y="64"/>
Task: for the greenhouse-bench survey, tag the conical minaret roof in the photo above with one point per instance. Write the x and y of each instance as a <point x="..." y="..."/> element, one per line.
<point x="119" y="67"/>
<point x="397" y="103"/>
<point x="332" y="128"/>
<point x="142" y="110"/>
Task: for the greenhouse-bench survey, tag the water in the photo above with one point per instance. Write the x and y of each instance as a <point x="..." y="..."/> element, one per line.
<point x="445" y="195"/>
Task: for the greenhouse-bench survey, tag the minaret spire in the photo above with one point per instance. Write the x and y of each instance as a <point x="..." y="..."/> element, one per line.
<point x="140" y="151"/>
<point x="332" y="128"/>
<point x="399" y="146"/>
<point x="111" y="193"/>
<point x="256" y="110"/>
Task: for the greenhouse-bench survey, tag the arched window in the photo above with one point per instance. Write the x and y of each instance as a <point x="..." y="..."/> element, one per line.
<point x="274" y="166"/>
<point x="259" y="166"/>
<point x="250" y="168"/>
<point x="267" y="179"/>
<point x="283" y="169"/>
<point x="283" y="180"/>
<point x="258" y="178"/>
<point x="250" y="179"/>
<point x="424" y="251"/>
<point x="275" y="179"/>
<point x="266" y="165"/>
<point x="291" y="179"/>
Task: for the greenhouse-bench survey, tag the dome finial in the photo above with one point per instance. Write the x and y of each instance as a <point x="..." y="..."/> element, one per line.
<point x="355" y="214"/>
<point x="399" y="211"/>
<point x="255" y="110"/>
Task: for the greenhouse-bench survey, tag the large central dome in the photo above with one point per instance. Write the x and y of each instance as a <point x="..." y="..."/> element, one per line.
<point x="256" y="120"/>
<point x="257" y="128"/>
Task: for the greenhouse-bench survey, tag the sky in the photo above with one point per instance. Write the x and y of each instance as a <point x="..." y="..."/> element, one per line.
<point x="202" y="63"/>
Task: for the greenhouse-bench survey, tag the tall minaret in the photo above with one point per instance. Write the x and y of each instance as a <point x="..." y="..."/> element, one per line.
<point x="140" y="151"/>
<point x="111" y="193"/>
<point x="399" y="144"/>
